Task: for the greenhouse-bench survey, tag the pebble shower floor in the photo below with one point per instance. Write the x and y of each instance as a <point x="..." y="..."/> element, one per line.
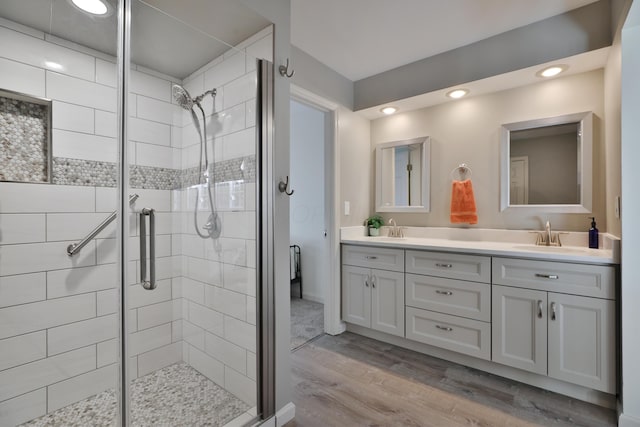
<point x="177" y="395"/>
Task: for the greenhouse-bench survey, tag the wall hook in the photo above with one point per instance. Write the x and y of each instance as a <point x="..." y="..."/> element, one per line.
<point x="284" y="70"/>
<point x="282" y="186"/>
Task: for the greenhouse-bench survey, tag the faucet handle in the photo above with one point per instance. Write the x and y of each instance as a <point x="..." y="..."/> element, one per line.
<point x="558" y="242"/>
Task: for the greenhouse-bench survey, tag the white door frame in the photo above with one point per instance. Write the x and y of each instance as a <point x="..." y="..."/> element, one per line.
<point x="333" y="325"/>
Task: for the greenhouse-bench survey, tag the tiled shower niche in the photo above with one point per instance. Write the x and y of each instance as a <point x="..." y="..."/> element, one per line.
<point x="25" y="138"/>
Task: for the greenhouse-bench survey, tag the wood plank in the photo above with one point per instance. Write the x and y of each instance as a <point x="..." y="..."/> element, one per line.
<point x="350" y="380"/>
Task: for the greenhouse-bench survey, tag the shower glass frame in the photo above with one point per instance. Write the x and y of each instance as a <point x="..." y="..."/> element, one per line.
<point x="265" y="309"/>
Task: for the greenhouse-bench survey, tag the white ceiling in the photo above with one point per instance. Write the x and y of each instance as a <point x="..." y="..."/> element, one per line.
<point x="361" y="38"/>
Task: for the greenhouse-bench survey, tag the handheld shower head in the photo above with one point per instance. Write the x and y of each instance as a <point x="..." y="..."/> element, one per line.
<point x="182" y="97"/>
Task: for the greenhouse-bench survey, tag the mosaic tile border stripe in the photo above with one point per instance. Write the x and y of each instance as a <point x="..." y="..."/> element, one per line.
<point x="103" y="174"/>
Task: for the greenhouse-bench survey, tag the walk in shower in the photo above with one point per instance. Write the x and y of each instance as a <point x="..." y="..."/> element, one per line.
<point x="130" y="231"/>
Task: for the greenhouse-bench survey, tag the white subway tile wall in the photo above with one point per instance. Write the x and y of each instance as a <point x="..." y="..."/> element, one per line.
<point x="219" y="278"/>
<point x="58" y="314"/>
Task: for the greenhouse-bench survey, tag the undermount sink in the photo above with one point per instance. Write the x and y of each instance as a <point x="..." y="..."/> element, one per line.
<point x="554" y="249"/>
<point x="390" y="239"/>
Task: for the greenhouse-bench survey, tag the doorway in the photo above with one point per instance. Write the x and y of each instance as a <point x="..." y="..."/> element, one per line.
<point x="308" y="225"/>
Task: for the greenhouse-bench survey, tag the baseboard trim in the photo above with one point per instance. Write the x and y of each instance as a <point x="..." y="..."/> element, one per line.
<point x="628" y="421"/>
<point x="339" y="328"/>
<point x="285" y="414"/>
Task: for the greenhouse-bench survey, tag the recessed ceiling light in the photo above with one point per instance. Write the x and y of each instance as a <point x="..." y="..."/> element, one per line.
<point x="389" y="110"/>
<point x="457" y="93"/>
<point x="94" y="7"/>
<point x="554" y="70"/>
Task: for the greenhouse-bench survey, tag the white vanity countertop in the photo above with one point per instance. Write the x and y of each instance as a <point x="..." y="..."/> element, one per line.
<point x="510" y="243"/>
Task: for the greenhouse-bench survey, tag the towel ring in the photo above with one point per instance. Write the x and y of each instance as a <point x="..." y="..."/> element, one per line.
<point x="463" y="170"/>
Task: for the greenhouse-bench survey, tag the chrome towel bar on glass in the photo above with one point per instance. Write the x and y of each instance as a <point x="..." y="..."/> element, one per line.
<point x="151" y="283"/>
<point x="75" y="247"/>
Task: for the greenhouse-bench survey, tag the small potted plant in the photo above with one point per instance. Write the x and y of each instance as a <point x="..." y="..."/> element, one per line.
<point x="374" y="223"/>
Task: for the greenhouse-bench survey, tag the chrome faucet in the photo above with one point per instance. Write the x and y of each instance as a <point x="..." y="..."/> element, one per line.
<point x="395" y="231"/>
<point x="547" y="230"/>
<point x="547" y="237"/>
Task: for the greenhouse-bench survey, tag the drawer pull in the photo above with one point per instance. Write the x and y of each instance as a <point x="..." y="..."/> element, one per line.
<point x="444" y="328"/>
<point x="547" y="276"/>
<point x="553" y="311"/>
<point x="438" y="291"/>
<point x="373" y="281"/>
<point x="371" y="257"/>
<point x="438" y="264"/>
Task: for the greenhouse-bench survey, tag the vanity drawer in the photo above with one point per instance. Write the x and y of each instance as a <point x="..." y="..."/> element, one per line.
<point x="476" y="268"/>
<point x="448" y="296"/>
<point x="367" y="256"/>
<point x="577" y="279"/>
<point x="453" y="333"/>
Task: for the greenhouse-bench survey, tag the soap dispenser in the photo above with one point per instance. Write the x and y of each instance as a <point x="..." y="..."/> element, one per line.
<point x="593" y="234"/>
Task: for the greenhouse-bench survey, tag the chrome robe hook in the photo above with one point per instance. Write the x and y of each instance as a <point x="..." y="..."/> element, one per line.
<point x="284" y="70"/>
<point x="283" y="185"/>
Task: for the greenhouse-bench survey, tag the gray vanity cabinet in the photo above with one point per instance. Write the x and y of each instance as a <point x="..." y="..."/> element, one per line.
<point x="373" y="297"/>
<point x="519" y="328"/>
<point x="582" y="341"/>
<point x="562" y="335"/>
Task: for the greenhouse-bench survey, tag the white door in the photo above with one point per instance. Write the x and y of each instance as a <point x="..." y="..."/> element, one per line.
<point x="519" y="181"/>
<point x="356" y="295"/>
<point x="582" y="341"/>
<point x="387" y="301"/>
<point x="519" y="328"/>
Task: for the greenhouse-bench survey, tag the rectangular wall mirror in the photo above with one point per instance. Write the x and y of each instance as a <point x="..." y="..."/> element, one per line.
<point x="546" y="164"/>
<point x="402" y="175"/>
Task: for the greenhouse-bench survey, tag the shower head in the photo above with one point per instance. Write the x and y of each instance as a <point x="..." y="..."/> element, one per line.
<point x="182" y="97"/>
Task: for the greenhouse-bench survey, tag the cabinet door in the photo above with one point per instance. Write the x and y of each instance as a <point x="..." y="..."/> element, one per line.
<point x="387" y="302"/>
<point x="582" y="341"/>
<point x="356" y="295"/>
<point x="519" y="328"/>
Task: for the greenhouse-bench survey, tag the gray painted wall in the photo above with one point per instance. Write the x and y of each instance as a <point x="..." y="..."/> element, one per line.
<point x="316" y="77"/>
<point x="580" y="30"/>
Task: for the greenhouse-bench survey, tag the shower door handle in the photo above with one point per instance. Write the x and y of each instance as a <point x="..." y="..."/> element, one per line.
<point x="151" y="283"/>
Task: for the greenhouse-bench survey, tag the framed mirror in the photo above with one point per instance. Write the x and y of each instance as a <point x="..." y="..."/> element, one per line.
<point x="402" y="175"/>
<point x="546" y="164"/>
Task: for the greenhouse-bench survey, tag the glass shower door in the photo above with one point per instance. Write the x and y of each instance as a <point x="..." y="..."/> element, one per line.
<point x="192" y="298"/>
<point x="58" y="175"/>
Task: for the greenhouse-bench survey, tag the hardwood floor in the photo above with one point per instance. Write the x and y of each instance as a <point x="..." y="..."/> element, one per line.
<point x="350" y="380"/>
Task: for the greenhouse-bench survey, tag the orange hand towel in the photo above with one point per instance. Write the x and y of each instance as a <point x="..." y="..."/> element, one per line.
<point x="463" y="203"/>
